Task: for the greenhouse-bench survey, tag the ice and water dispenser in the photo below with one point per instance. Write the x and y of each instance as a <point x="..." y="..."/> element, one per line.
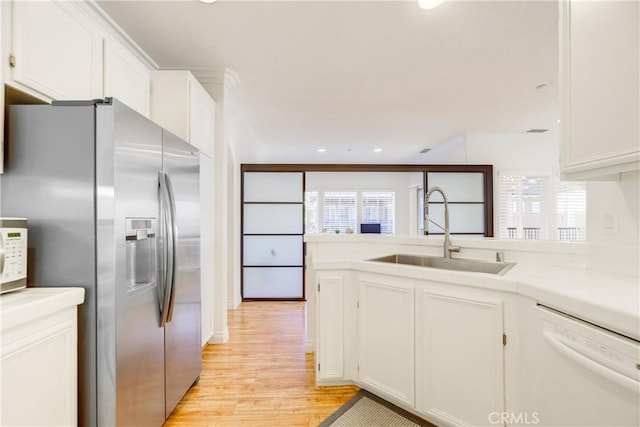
<point x="141" y="253"/>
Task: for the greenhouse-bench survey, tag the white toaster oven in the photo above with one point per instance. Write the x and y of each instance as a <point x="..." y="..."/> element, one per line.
<point x="13" y="254"/>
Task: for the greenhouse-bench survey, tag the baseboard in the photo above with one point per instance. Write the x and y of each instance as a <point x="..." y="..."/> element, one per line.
<point x="309" y="347"/>
<point x="220" y="337"/>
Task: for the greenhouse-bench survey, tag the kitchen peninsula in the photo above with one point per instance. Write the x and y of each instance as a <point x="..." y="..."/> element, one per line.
<point x="428" y="338"/>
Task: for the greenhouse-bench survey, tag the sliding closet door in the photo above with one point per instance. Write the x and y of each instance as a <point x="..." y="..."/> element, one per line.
<point x="272" y="232"/>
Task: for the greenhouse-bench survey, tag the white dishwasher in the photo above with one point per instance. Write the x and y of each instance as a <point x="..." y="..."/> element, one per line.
<point x="580" y="374"/>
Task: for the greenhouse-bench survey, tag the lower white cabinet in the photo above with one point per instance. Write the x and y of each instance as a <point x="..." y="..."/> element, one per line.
<point x="386" y="328"/>
<point x="38" y="357"/>
<point x="330" y="334"/>
<point x="459" y="357"/>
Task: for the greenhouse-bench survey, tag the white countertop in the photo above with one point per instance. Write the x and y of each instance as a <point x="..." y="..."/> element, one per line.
<point x="610" y="301"/>
<point x="25" y="305"/>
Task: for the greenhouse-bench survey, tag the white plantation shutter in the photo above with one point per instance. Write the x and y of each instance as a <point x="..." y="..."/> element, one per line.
<point x="340" y="211"/>
<point x="524" y="206"/>
<point x="571" y="206"/>
<point x="379" y="207"/>
<point x="531" y="208"/>
<point x="311" y="220"/>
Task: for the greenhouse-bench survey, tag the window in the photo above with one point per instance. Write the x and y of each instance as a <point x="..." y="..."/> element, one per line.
<point x="571" y="211"/>
<point x="339" y="212"/>
<point x="311" y="220"/>
<point x="379" y="207"/>
<point x="531" y="208"/>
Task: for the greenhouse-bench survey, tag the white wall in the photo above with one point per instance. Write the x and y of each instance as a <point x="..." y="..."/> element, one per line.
<point x="358" y="181"/>
<point x="611" y="251"/>
<point x="613" y="216"/>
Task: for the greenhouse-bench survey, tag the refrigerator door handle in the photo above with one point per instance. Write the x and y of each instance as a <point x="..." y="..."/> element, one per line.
<point x="166" y="236"/>
<point x="173" y="247"/>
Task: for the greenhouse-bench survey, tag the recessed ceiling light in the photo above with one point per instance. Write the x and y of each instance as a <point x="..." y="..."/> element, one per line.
<point x="429" y="4"/>
<point x="322" y="150"/>
<point x="377" y="150"/>
<point x="207" y="1"/>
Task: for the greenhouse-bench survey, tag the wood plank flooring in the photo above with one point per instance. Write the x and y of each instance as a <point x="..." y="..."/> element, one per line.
<point x="262" y="376"/>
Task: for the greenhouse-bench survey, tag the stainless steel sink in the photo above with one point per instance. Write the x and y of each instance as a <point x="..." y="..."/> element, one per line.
<point x="456" y="264"/>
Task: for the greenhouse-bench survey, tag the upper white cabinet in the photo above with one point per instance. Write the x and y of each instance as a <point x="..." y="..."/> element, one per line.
<point x="126" y="78"/>
<point x="180" y="104"/>
<point x="600" y="80"/>
<point x="55" y="50"/>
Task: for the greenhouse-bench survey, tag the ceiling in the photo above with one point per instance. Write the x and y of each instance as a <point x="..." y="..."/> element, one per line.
<point x="353" y="76"/>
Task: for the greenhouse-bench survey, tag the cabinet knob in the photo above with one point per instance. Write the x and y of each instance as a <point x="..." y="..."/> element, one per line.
<point x="273" y="252"/>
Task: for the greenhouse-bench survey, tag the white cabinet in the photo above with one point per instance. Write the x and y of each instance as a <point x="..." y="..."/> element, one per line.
<point x="330" y="333"/>
<point x="126" y="78"/>
<point x="181" y="105"/>
<point x="386" y="328"/>
<point x="459" y="357"/>
<point x="206" y="247"/>
<point x="38" y="357"/>
<point x="56" y="50"/>
<point x="600" y="82"/>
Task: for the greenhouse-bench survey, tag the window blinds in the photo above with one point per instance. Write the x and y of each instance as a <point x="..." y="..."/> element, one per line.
<point x="339" y="212"/>
<point x="379" y="207"/>
<point x="531" y="208"/>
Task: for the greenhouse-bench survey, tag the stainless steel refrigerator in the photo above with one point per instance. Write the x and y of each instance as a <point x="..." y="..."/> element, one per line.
<point x="113" y="206"/>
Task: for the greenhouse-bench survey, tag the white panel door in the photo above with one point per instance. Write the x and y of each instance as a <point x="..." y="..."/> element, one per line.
<point x="206" y="247"/>
<point x="330" y="323"/>
<point x="386" y="351"/>
<point x="459" y="363"/>
<point x="600" y="69"/>
<point x="126" y="78"/>
<point x="57" y="51"/>
<point x="202" y="110"/>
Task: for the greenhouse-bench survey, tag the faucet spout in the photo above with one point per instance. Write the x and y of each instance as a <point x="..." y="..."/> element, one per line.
<point x="448" y="247"/>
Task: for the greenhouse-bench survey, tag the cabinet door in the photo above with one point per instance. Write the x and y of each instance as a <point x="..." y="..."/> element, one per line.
<point x="600" y="60"/>
<point x="459" y="359"/>
<point x="56" y="50"/>
<point x="206" y="247"/>
<point x="38" y="361"/>
<point x="386" y="351"/>
<point x="330" y="321"/>
<point x="126" y="78"/>
<point x="202" y="118"/>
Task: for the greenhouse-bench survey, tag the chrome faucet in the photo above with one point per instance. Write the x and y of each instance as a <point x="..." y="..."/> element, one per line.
<point x="448" y="247"/>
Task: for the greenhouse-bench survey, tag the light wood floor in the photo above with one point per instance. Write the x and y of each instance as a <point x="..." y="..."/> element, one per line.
<point x="262" y="376"/>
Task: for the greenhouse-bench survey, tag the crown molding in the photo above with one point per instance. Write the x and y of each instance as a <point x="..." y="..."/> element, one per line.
<point x="221" y="76"/>
<point x="113" y="30"/>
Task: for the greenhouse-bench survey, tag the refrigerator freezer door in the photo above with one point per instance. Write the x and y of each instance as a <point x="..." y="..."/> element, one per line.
<point x="139" y="343"/>
<point x="49" y="179"/>
<point x="183" y="353"/>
